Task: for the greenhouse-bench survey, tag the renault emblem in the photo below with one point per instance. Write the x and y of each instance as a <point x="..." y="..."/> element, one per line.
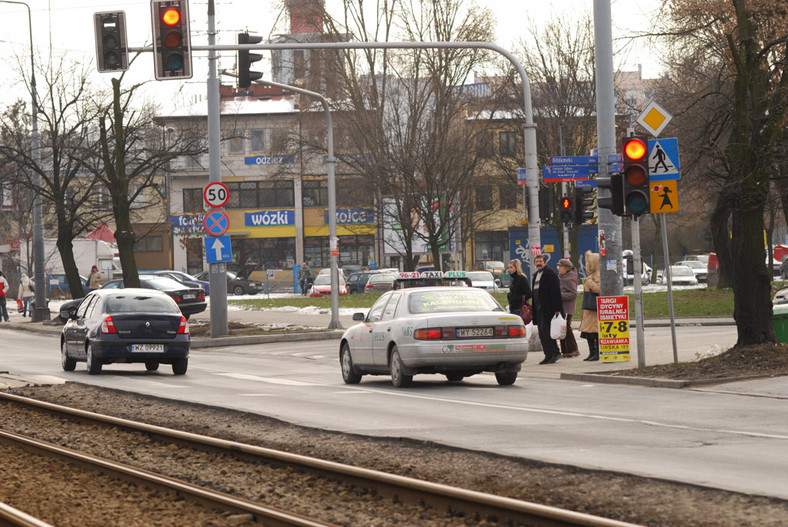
<point x="147" y="324"/>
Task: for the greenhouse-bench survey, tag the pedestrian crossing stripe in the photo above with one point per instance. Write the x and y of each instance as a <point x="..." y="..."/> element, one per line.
<point x="663" y="159"/>
<point x="664" y="196"/>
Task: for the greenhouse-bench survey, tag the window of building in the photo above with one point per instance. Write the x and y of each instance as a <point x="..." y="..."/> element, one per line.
<point x="484" y="198"/>
<point x="237" y="142"/>
<point x="248" y="194"/>
<point x="272" y="253"/>
<point x="149" y="244"/>
<point x="507" y="196"/>
<point x="315" y="193"/>
<point x="492" y="245"/>
<point x="649" y="94"/>
<point x="353" y="250"/>
<point x="278" y="137"/>
<point x="103" y="201"/>
<point x="140" y="201"/>
<point x="352" y="192"/>
<point x="257" y="141"/>
<point x="260" y="194"/>
<point x="193" y="200"/>
<point x="631" y="98"/>
<point x="507" y="144"/>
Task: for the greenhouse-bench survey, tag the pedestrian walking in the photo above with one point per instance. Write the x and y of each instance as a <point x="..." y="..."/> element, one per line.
<point x="567" y="274"/>
<point x="26" y="293"/>
<point x="546" y="289"/>
<point x="304" y="277"/>
<point x="519" y="290"/>
<point x="95" y="278"/>
<point x="589" y="323"/>
<point x="3" y="297"/>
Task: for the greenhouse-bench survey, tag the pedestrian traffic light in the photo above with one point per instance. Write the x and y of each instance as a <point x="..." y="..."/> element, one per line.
<point x="566" y="209"/>
<point x="584" y="205"/>
<point x="246" y="59"/>
<point x="614" y="201"/>
<point x="112" y="51"/>
<point x="172" y="50"/>
<point x="546" y="206"/>
<point x="636" y="191"/>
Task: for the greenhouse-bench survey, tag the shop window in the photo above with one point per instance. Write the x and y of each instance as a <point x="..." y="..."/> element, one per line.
<point x="491" y="245"/>
<point x="315" y="193"/>
<point x="149" y="244"/>
<point x="248" y="196"/>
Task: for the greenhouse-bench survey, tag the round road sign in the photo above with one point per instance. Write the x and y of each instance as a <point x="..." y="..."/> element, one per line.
<point x="216" y="194"/>
<point x="216" y="222"/>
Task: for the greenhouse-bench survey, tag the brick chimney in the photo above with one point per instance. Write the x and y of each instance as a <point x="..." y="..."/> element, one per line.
<point x="306" y="16"/>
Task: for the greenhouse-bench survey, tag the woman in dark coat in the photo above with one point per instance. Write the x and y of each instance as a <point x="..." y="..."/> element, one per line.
<point x="519" y="290"/>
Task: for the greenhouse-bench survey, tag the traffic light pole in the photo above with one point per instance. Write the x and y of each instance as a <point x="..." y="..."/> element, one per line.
<point x="637" y="277"/>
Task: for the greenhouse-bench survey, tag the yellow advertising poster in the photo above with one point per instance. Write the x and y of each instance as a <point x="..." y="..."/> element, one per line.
<point x="664" y="196"/>
<point x="613" y="314"/>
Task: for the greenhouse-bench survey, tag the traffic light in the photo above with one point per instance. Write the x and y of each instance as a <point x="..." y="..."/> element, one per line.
<point x="566" y="209"/>
<point x="112" y="50"/>
<point x="172" y="50"/>
<point x="546" y="206"/>
<point x="614" y="183"/>
<point x="245" y="60"/>
<point x="584" y="205"/>
<point x="636" y="186"/>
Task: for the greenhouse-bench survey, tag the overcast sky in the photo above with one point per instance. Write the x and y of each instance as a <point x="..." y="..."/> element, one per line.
<point x="66" y="26"/>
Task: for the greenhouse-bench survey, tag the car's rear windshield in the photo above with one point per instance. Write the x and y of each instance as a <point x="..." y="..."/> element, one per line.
<point x="429" y="301"/>
<point x="140" y="304"/>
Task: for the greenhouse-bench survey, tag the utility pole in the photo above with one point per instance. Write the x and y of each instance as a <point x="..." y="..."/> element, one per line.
<point x="609" y="224"/>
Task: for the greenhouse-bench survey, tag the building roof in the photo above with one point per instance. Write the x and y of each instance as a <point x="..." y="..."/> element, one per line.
<point x="236" y="106"/>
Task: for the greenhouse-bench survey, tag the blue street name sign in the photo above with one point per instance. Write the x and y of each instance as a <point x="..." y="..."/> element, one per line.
<point x="217" y="249"/>
<point x="585" y="183"/>
<point x="567" y="172"/>
<point x="582" y="160"/>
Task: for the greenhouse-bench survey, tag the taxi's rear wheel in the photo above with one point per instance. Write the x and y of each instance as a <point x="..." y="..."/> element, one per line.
<point x="506" y="378"/>
<point x="454" y="377"/>
<point x="349" y="374"/>
<point x="398" y="378"/>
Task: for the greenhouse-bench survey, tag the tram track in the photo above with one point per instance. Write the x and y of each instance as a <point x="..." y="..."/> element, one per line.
<point x="337" y="487"/>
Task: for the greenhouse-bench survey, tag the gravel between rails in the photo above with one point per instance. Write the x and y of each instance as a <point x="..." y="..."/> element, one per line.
<point x="618" y="496"/>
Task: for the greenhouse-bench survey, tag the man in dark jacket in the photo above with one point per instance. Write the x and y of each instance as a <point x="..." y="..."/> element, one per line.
<point x="546" y="288"/>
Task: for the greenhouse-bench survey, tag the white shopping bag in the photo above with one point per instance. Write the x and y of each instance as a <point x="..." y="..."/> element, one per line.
<point x="558" y="327"/>
<point x="531" y="333"/>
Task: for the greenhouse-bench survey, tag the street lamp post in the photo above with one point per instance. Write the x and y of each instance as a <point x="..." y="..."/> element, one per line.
<point x="41" y="311"/>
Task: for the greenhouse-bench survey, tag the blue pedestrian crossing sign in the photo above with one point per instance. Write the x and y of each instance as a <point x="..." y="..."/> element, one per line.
<point x="217" y="249"/>
<point x="663" y="159"/>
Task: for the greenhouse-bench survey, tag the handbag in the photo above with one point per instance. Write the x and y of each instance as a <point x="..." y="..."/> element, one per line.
<point x="558" y="327"/>
<point x="526" y="313"/>
<point x="589" y="301"/>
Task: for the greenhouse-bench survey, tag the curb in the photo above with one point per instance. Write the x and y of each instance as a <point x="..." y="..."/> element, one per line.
<point x="652" y="382"/>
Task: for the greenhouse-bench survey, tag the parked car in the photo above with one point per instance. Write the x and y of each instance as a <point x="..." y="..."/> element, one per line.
<point x="781" y="296"/>
<point x="484" y="280"/>
<point x="629" y="266"/>
<point x="183" y="278"/>
<point x="59" y="288"/>
<point x="321" y="286"/>
<point x="680" y="275"/>
<point x="191" y="300"/>
<point x="380" y="282"/>
<point x="239" y="284"/>
<point x="496" y="267"/>
<point x="454" y="331"/>
<point x="784" y="268"/>
<point x="698" y="267"/>
<point x="126" y="325"/>
<point x="356" y="282"/>
<point x="407" y="280"/>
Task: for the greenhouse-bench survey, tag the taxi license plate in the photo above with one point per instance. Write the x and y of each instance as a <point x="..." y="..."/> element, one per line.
<point x="147" y="348"/>
<point x="475" y="332"/>
<point x="189" y="297"/>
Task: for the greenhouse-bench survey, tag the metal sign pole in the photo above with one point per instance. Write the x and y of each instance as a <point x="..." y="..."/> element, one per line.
<point x="668" y="276"/>
<point x="637" y="278"/>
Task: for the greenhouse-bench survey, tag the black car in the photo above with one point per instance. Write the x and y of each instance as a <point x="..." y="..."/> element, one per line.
<point x="356" y="282"/>
<point x="239" y="284"/>
<point x="126" y="325"/>
<point x="191" y="300"/>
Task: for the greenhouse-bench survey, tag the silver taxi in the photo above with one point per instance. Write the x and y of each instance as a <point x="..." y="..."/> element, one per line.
<point x="454" y="331"/>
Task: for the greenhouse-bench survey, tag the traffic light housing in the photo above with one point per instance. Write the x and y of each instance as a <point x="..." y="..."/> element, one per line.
<point x="112" y="50"/>
<point x="172" y="49"/>
<point x="246" y="59"/>
<point x="566" y="209"/>
<point x="614" y="183"/>
<point x="546" y="195"/>
<point x="584" y="205"/>
<point x="635" y="176"/>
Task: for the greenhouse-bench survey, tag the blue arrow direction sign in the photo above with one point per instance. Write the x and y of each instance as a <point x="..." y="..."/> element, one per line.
<point x="216" y="222"/>
<point x="586" y="183"/>
<point x="217" y="249"/>
<point x="560" y="173"/>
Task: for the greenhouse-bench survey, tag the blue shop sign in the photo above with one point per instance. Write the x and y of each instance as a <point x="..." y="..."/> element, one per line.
<point x="269" y="218"/>
<point x="345" y="216"/>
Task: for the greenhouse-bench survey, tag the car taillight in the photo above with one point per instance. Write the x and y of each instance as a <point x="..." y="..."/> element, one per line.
<point x="183" y="327"/>
<point x="428" y="334"/>
<point x="108" y="326"/>
<point x="201" y="297"/>
<point x="517" y="331"/>
<point x="177" y="298"/>
<point x="448" y="333"/>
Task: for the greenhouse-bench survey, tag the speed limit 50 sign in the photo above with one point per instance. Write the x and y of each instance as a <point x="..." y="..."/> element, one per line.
<point x="216" y="194"/>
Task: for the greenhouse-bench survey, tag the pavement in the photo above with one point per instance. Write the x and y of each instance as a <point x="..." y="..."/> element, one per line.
<point x="312" y="324"/>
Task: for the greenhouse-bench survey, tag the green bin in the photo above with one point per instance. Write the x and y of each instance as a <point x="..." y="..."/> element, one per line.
<point x="780" y="314"/>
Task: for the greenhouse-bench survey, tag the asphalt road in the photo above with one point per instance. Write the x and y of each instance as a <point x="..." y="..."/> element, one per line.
<point x="729" y="436"/>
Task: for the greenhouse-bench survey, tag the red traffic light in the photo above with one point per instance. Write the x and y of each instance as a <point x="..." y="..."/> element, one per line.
<point x="566" y="203"/>
<point x="171" y="16"/>
<point x="635" y="149"/>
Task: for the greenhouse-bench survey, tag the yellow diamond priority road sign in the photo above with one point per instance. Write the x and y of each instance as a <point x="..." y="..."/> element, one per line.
<point x="654" y="118"/>
<point x="664" y="196"/>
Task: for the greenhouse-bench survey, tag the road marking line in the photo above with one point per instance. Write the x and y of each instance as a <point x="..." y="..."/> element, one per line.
<point x="270" y="380"/>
